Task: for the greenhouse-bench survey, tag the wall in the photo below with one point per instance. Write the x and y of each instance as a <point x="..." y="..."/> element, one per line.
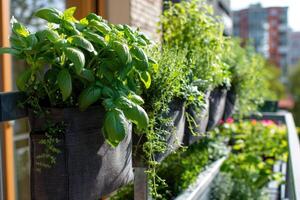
<point x="137" y="13"/>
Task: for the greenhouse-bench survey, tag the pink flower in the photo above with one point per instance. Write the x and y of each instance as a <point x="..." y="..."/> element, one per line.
<point x="230" y="120"/>
<point x="267" y="122"/>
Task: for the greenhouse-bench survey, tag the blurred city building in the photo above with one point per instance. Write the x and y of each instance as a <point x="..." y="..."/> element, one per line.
<point x="293" y="49"/>
<point x="267" y="29"/>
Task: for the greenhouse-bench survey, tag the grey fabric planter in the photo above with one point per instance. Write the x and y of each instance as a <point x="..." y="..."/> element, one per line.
<point x="87" y="168"/>
<point x="174" y="138"/>
<point x="217" y="102"/>
<point x="200" y="116"/>
<point x="230" y="103"/>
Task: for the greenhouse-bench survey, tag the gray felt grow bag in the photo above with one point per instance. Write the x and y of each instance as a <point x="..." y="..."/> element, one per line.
<point x="174" y="138"/>
<point x="217" y="102"/>
<point x="200" y="117"/>
<point x="87" y="168"/>
<point x="230" y="103"/>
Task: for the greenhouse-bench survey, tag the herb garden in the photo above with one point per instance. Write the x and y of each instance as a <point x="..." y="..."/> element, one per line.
<point x="103" y="99"/>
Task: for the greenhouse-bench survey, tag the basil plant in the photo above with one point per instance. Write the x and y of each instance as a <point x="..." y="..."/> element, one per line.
<point x="81" y="63"/>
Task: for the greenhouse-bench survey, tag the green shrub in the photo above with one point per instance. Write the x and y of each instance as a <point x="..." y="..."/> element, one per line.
<point x="256" y="147"/>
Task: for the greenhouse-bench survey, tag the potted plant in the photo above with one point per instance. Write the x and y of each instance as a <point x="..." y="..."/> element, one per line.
<point x="82" y="84"/>
<point x="165" y="104"/>
<point x="205" y="45"/>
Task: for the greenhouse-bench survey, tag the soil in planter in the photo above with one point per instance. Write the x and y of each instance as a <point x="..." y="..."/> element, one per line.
<point x="217" y="101"/>
<point x="173" y="139"/>
<point x="86" y="168"/>
<point x="199" y="123"/>
<point x="230" y="103"/>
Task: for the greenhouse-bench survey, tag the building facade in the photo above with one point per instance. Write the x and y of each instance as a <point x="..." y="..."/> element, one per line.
<point x="266" y="29"/>
<point x="293" y="49"/>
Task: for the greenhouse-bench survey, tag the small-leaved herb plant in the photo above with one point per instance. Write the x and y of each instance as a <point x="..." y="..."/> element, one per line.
<point x="192" y="25"/>
<point x="80" y="63"/>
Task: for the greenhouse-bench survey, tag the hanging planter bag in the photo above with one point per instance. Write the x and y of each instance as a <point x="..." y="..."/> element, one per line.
<point x="230" y="104"/>
<point x="217" y="101"/>
<point x="174" y="137"/>
<point x="200" y="117"/>
<point x="86" y="168"/>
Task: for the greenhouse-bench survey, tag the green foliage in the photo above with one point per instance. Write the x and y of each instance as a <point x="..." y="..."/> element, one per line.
<point x="180" y="169"/>
<point x="251" y="77"/>
<point x="191" y="25"/>
<point x="84" y="63"/>
<point x="294" y="89"/>
<point x="256" y="147"/>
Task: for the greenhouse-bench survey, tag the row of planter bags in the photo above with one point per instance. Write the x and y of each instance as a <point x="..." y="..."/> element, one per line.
<point x="87" y="168"/>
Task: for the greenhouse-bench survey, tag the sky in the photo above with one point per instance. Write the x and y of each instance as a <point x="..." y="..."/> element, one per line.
<point x="293" y="11"/>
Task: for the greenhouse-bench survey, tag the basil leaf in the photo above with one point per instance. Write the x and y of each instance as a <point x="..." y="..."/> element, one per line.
<point x="49" y="14"/>
<point x="23" y="79"/>
<point x="51" y="35"/>
<point x="64" y="83"/>
<point x="77" y="57"/>
<point x="122" y="51"/>
<point x="142" y="59"/>
<point x="145" y="78"/>
<point x="93" y="37"/>
<point x="18" y="28"/>
<point x="80" y="41"/>
<point x="87" y="75"/>
<point x="69" y="14"/>
<point x="7" y="50"/>
<point x="89" y="96"/>
<point x="100" y="26"/>
<point x="115" y="127"/>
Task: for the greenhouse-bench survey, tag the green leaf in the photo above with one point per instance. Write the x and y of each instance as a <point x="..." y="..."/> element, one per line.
<point x="80" y="41"/>
<point x="68" y="14"/>
<point x="115" y="127"/>
<point x="136" y="99"/>
<point x="87" y="75"/>
<point x="53" y="36"/>
<point x="31" y="40"/>
<point x="89" y="96"/>
<point x="7" y="50"/>
<point x="107" y="92"/>
<point x="49" y="14"/>
<point x="93" y="37"/>
<point x="92" y="16"/>
<point x="23" y="79"/>
<point x="145" y="78"/>
<point x="142" y="59"/>
<point x="133" y="112"/>
<point x="64" y="81"/>
<point x="77" y="57"/>
<point x="18" y="28"/>
<point x="100" y="26"/>
<point x="137" y="115"/>
<point x="122" y="51"/>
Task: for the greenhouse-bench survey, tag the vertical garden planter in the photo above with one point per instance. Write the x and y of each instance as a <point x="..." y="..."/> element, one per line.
<point x="217" y="102"/>
<point x="229" y="104"/>
<point x="86" y="168"/>
<point x="200" y="118"/>
<point x="174" y="138"/>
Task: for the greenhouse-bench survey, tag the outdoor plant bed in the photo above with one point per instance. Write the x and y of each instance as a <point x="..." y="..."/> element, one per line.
<point x="173" y="138"/>
<point x="86" y="167"/>
<point x="217" y="101"/>
<point x="196" y="128"/>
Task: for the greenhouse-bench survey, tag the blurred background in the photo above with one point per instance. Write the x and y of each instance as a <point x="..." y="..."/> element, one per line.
<point x="272" y="26"/>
